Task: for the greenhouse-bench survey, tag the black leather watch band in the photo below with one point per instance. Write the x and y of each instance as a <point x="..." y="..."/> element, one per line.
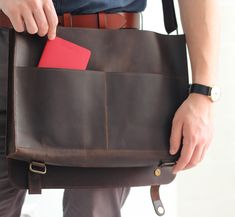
<point x="199" y="88"/>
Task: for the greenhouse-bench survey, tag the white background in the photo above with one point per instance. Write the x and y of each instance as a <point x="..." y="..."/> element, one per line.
<point x="205" y="191"/>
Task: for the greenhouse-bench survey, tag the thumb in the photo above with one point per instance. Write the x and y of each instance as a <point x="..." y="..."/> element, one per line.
<point x="176" y="136"/>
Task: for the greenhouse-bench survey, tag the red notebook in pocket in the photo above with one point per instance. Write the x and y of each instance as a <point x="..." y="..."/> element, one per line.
<point x="60" y="53"/>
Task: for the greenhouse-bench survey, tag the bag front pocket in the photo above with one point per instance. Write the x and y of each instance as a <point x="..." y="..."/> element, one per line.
<point x="141" y="108"/>
<point x="91" y="118"/>
<point x="57" y="109"/>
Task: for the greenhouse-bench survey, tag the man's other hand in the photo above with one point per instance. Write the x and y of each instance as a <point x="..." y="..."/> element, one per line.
<point x="192" y="126"/>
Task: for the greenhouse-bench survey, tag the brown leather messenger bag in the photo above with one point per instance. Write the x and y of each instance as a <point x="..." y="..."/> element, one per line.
<point x="106" y="126"/>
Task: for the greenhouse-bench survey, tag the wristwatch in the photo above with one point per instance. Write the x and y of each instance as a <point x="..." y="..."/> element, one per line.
<point x="212" y="92"/>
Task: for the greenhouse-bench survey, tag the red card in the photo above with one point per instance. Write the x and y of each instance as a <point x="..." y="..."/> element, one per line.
<point x="60" y="53"/>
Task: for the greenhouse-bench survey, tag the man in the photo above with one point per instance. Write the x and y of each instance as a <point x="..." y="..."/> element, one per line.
<point x="192" y="123"/>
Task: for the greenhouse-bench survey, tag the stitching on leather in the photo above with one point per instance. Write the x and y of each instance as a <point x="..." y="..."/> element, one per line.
<point x="11" y="60"/>
<point x="106" y="109"/>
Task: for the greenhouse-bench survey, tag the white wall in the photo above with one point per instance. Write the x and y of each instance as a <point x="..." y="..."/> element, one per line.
<point x="209" y="189"/>
<point x="205" y="191"/>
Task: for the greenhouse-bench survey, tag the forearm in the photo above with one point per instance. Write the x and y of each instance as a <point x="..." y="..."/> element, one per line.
<point x="201" y="25"/>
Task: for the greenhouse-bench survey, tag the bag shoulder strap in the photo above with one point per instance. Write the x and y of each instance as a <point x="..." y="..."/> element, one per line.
<point x="170" y="21"/>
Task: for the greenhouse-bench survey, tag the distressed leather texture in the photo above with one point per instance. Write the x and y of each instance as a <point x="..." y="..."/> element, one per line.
<point x="106" y="126"/>
<point x="118" y="112"/>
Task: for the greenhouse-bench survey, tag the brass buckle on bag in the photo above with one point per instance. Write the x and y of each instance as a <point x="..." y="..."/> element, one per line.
<point x="38" y="167"/>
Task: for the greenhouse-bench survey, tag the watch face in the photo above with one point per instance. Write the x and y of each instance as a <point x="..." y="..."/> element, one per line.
<point x="215" y="93"/>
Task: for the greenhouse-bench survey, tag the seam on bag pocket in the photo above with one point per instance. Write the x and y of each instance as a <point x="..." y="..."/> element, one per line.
<point x="106" y="111"/>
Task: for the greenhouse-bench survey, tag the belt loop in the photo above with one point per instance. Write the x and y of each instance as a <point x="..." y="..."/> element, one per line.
<point x="68" y="21"/>
<point x="102" y="20"/>
<point x="111" y="20"/>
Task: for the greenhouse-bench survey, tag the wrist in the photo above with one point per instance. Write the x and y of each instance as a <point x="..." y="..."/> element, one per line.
<point x="200" y="98"/>
<point x="211" y="92"/>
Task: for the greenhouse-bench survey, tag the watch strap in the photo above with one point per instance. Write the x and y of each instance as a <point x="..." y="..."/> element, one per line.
<point x="199" y="88"/>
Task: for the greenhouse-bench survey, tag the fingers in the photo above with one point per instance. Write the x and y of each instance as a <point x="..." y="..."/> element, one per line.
<point x="204" y="152"/>
<point x="176" y="135"/>
<point x="194" y="148"/>
<point x="35" y="16"/>
<point x="17" y="22"/>
<point x="185" y="156"/>
<point x="15" y="17"/>
<point x="30" y="23"/>
<point x="41" y="22"/>
<point x="52" y="19"/>
<point x="196" y="157"/>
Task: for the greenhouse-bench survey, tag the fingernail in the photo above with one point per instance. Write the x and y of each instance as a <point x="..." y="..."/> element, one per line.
<point x="51" y="37"/>
<point x="172" y="151"/>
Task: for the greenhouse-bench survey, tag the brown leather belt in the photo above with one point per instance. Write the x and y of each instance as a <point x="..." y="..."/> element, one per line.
<point x="98" y="20"/>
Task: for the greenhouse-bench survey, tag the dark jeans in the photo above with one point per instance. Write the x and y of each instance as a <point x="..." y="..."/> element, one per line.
<point x="98" y="202"/>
